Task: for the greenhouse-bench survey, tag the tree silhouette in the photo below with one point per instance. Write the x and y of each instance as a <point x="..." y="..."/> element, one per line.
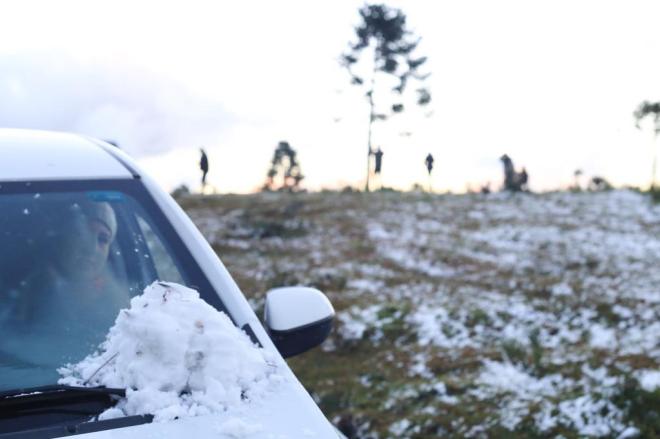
<point x="383" y="31"/>
<point x="644" y="110"/>
<point x="284" y="163"/>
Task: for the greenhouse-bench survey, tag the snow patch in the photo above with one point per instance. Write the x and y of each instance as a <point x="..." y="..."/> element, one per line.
<point x="649" y="379"/>
<point x="176" y="356"/>
<point x="399" y="427"/>
<point x="602" y="337"/>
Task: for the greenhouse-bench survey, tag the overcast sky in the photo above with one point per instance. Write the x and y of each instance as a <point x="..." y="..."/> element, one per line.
<point x="553" y="84"/>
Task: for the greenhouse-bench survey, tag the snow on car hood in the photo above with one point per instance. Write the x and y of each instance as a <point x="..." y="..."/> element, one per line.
<point x="177" y="357"/>
<point x="284" y="414"/>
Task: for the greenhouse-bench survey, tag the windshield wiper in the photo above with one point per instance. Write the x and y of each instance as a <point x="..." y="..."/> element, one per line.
<point x="60" y="410"/>
<point x="58" y="390"/>
<point x="49" y="406"/>
<point x="73" y="400"/>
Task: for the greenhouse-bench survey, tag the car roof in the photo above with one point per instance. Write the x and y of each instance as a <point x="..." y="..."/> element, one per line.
<point x="28" y="155"/>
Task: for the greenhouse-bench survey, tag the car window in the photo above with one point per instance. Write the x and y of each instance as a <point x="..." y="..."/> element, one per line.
<point x="69" y="262"/>
<point x="162" y="259"/>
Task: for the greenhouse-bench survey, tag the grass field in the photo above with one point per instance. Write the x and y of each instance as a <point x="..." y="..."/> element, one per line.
<point x="464" y="315"/>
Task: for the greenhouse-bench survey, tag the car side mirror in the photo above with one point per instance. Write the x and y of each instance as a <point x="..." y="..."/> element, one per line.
<point x="297" y="318"/>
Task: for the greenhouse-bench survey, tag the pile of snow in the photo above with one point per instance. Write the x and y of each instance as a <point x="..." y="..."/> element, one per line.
<point x="176" y="356"/>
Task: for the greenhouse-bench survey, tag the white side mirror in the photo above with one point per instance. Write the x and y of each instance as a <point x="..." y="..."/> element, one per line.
<point x="297" y="318"/>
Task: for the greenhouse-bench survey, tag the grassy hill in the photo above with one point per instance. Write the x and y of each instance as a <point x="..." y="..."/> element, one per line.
<point x="465" y="315"/>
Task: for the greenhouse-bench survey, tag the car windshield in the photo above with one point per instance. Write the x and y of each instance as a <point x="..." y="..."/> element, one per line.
<point x="70" y="259"/>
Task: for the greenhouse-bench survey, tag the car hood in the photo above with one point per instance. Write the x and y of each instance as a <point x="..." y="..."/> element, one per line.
<point x="288" y="413"/>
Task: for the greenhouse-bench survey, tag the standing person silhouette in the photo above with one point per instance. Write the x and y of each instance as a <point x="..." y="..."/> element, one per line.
<point x="429" y="163"/>
<point x="524" y="179"/>
<point x="204" y="166"/>
<point x="429" y="167"/>
<point x="379" y="160"/>
<point x="378" y="155"/>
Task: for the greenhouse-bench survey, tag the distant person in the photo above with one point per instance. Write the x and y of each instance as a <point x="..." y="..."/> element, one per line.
<point x="509" y="172"/>
<point x="378" y="155"/>
<point x="513" y="181"/>
<point x="429" y="163"/>
<point x="429" y="167"/>
<point x="204" y="166"/>
<point x="523" y="178"/>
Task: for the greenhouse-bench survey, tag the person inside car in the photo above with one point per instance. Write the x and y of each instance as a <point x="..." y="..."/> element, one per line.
<point x="74" y="291"/>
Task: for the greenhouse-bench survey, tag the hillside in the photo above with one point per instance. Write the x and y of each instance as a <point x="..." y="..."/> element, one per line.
<point x="464" y="315"/>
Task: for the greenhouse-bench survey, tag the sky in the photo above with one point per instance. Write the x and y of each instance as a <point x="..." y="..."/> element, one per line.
<point x="552" y="84"/>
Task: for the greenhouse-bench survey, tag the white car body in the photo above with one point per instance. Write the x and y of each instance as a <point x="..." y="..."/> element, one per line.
<point x="45" y="156"/>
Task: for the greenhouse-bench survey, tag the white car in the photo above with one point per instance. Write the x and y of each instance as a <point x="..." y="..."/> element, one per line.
<point x="83" y="231"/>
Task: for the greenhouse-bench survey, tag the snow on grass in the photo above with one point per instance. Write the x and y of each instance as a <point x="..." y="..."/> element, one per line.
<point x="590" y="414"/>
<point x="399" y="427"/>
<point x="591" y="417"/>
<point x="509" y="378"/>
<point x="649" y="380"/>
<point x="176" y="356"/>
<point x="529" y="310"/>
<point x="515" y="389"/>
<point x="353" y="324"/>
<point x="436" y="327"/>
